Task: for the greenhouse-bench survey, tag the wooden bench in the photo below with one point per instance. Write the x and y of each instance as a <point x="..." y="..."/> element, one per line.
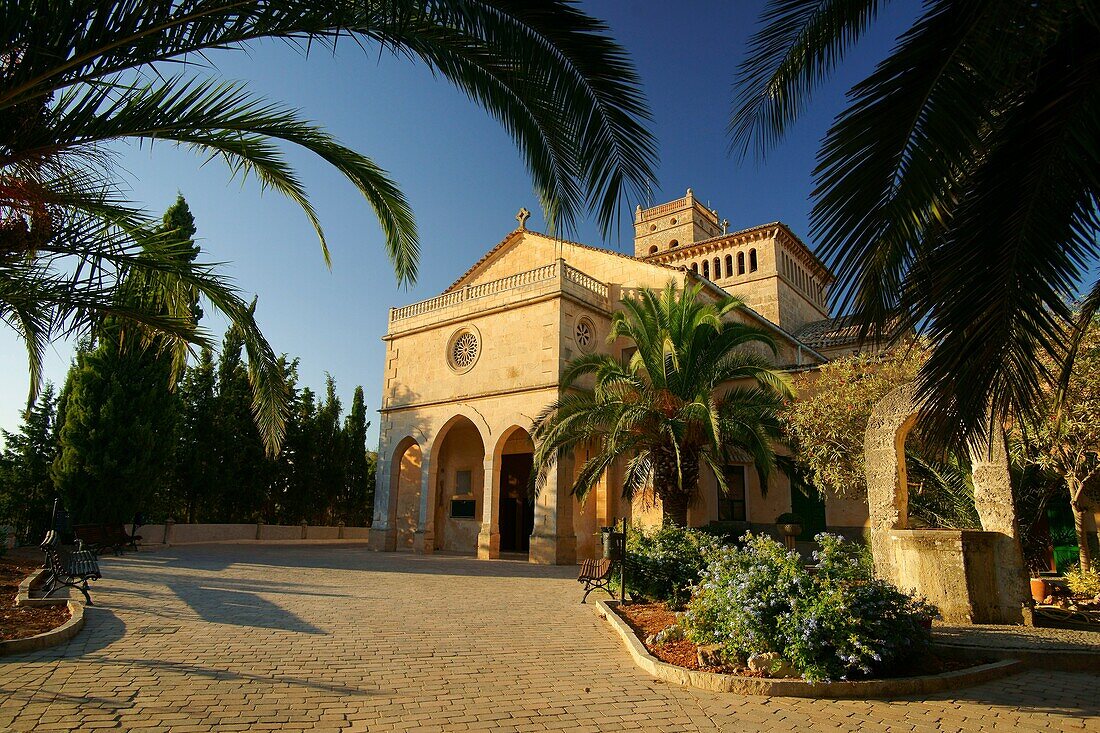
<point x="73" y="570"/>
<point x="101" y="537"/>
<point x="596" y="575"/>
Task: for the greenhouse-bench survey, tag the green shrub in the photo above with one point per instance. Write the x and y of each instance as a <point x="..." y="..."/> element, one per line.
<point x="1083" y="582"/>
<point x="841" y="623"/>
<point x="663" y="564"/>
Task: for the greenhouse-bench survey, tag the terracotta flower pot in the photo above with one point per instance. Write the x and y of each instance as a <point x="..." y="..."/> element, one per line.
<point x="1039" y="590"/>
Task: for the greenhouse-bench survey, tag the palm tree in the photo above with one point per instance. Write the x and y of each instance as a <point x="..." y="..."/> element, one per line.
<point x="76" y="76"/>
<point x="958" y="192"/>
<point x="698" y="391"/>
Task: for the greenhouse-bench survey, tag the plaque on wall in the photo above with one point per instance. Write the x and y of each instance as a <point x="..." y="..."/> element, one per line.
<point x="463" y="508"/>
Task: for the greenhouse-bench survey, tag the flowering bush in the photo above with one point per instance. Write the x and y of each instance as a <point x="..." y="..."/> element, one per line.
<point x="663" y="564"/>
<point x="1083" y="583"/>
<point x="838" y="624"/>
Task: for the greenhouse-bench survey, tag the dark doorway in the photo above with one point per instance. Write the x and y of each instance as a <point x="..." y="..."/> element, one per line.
<point x="517" y="516"/>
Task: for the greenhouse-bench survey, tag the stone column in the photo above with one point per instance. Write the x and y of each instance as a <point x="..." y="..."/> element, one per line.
<point x="424" y="543"/>
<point x="997" y="510"/>
<point x="383" y="535"/>
<point x="884" y="466"/>
<point x="553" y="541"/>
<point x="488" y="538"/>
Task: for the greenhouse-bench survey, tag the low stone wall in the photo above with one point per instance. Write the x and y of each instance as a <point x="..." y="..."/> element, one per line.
<point x="279" y="532"/>
<point x="191" y="534"/>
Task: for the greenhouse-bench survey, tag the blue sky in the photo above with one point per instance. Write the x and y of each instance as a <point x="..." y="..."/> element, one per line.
<point x="461" y="173"/>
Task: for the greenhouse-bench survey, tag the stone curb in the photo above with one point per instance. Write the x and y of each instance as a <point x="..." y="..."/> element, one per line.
<point x="1055" y="659"/>
<point x="798" y="688"/>
<point x="53" y="637"/>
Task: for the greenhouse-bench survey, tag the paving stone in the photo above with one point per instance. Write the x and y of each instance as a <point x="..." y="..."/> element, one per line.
<point x="258" y="638"/>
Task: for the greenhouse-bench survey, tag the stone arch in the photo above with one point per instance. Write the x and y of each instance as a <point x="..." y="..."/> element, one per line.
<point x="507" y="506"/>
<point x="974" y="576"/>
<point x="406" y="466"/>
<point x="455" y="477"/>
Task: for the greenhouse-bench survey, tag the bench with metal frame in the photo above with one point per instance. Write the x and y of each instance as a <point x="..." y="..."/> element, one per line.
<point x="101" y="537"/>
<point x="596" y="575"/>
<point x="71" y="570"/>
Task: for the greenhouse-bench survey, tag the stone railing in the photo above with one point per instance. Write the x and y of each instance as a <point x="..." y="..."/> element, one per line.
<point x="665" y="208"/>
<point x="585" y="281"/>
<point x="546" y="272"/>
<point x="512" y="282"/>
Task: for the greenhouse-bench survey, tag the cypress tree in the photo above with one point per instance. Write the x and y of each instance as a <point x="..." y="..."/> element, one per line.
<point x="357" y="505"/>
<point x="26" y="489"/>
<point x="117" y="441"/>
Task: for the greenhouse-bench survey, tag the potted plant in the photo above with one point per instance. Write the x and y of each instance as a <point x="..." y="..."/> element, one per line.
<point x="789" y="525"/>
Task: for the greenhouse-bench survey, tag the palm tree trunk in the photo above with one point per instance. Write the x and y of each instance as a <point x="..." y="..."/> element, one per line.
<point x="676" y="495"/>
<point x="1076" y="491"/>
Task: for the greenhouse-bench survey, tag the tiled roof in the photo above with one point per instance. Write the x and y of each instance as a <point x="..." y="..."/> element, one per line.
<point x="829" y="332"/>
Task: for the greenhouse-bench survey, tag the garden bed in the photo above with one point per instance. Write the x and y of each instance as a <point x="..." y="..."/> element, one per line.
<point x="21" y="622"/>
<point x="647" y="619"/>
<point x="632" y="621"/>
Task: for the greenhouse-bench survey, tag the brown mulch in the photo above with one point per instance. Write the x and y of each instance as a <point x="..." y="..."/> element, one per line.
<point x="647" y="619"/>
<point x="24" y="621"/>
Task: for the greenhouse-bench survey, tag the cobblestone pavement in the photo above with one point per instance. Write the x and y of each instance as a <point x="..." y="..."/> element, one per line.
<point x="245" y="637"/>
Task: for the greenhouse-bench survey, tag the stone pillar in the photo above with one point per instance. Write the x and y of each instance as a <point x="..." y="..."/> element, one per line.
<point x="424" y="543"/>
<point x="553" y="541"/>
<point x="488" y="538"/>
<point x="884" y="466"/>
<point x="997" y="510"/>
<point x="383" y="535"/>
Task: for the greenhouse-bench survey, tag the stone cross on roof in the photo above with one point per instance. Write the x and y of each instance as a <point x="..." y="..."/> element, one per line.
<point x="522" y="217"/>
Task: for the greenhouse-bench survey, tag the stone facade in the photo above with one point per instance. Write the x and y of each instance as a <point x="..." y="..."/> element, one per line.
<point x="466" y="373"/>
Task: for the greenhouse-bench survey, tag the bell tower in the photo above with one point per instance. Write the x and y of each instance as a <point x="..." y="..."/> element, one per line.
<point x="675" y="224"/>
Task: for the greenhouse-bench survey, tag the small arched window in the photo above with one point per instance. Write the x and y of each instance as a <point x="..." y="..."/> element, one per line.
<point x="752" y="260"/>
<point x="673" y="244"/>
<point x="695" y="267"/>
<point x="740" y="263"/>
<point x="717" y="268"/>
<point x="706" y="269"/>
<point x="729" y="265"/>
<point x="653" y="250"/>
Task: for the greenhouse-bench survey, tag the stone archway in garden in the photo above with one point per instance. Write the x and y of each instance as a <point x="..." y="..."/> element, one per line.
<point x="973" y="576"/>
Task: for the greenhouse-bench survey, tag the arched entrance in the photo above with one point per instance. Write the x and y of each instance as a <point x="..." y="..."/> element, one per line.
<point x="515" y="510"/>
<point x="405" y="482"/>
<point x="458" y="478"/>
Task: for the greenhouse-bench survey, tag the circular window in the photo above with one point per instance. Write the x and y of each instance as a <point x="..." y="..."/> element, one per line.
<point x="584" y="333"/>
<point x="652" y="227"/>
<point x="463" y="350"/>
<point x="673" y="221"/>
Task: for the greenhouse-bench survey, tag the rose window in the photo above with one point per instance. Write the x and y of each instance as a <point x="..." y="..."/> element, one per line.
<point x="584" y="333"/>
<point x="464" y="350"/>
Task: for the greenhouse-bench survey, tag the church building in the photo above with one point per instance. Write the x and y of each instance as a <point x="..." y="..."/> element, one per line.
<point x="467" y="371"/>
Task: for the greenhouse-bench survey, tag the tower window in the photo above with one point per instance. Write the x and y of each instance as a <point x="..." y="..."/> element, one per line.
<point x="695" y="267"/>
<point x="740" y="263"/>
<point x="752" y="260"/>
<point x="706" y="269"/>
<point x="653" y="250"/>
<point x="729" y="265"/>
<point x="673" y="244"/>
<point x="717" y="268"/>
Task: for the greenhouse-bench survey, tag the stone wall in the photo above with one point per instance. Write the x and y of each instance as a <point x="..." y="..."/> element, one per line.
<point x="188" y="534"/>
<point x="972" y="576"/>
